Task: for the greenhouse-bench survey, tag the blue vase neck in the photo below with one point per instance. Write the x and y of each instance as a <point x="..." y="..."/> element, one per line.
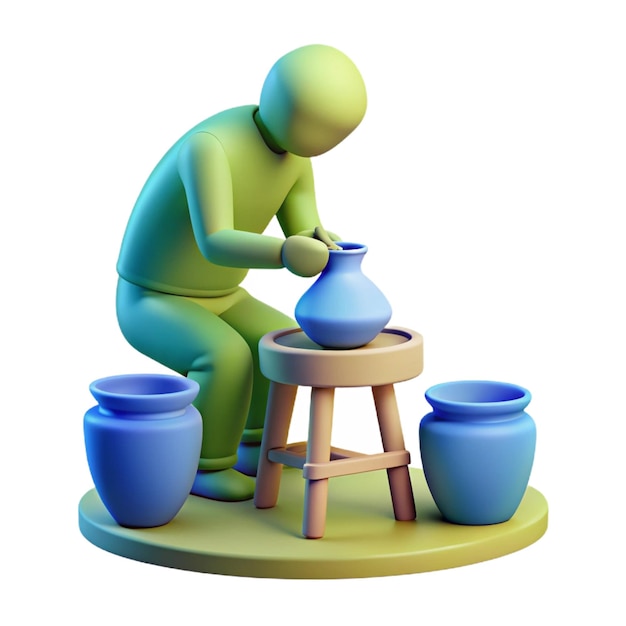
<point x="477" y="417"/>
<point x="135" y="415"/>
<point x="348" y="259"/>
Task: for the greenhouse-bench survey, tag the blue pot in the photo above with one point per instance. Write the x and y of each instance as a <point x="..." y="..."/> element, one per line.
<point x="143" y="445"/>
<point x="477" y="449"/>
<point x="343" y="308"/>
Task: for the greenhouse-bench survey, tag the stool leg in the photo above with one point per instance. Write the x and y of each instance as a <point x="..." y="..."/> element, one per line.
<point x="393" y="440"/>
<point x="276" y="430"/>
<point x="318" y="451"/>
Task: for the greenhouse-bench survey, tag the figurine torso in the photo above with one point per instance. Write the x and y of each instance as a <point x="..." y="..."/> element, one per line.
<point x="159" y="250"/>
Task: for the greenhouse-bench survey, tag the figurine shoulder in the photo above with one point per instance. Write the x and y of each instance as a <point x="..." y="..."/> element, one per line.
<point x="237" y="120"/>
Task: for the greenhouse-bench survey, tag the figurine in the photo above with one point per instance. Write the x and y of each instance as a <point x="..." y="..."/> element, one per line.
<point x="197" y="228"/>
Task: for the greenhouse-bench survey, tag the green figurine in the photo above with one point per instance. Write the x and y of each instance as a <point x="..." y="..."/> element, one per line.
<point x="196" y="230"/>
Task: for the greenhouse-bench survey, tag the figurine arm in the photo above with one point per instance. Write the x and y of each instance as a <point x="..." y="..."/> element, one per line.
<point x="205" y="174"/>
<point x="298" y="215"/>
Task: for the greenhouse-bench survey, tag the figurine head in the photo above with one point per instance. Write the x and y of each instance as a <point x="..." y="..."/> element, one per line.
<point x="312" y="99"/>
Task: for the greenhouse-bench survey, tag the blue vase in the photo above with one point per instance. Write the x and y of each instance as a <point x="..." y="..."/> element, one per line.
<point x="143" y="445"/>
<point x="343" y="308"/>
<point x="477" y="449"/>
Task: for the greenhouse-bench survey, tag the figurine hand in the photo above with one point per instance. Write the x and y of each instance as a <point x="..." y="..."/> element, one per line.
<point x="321" y="234"/>
<point x="304" y="256"/>
<point x="311" y="233"/>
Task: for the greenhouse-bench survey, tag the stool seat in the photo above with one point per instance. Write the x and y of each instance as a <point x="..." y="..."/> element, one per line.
<point x="289" y="359"/>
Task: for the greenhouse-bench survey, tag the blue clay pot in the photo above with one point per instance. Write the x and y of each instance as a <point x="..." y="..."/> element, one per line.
<point x="477" y="449"/>
<point x="343" y="308"/>
<point x="143" y="445"/>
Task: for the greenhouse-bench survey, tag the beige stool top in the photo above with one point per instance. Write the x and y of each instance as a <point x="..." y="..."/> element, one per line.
<point x="288" y="356"/>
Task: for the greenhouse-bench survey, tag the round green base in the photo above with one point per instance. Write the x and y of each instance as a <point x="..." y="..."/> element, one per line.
<point x="362" y="537"/>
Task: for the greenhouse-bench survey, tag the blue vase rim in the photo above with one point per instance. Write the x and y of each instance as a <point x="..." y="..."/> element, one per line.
<point x="477" y="397"/>
<point x="349" y="247"/>
<point x="144" y="393"/>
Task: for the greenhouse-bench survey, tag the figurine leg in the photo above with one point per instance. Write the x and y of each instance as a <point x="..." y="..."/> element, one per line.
<point x="252" y="319"/>
<point x="188" y="336"/>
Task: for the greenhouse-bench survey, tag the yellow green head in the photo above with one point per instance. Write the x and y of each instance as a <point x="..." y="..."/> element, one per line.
<point x="312" y="99"/>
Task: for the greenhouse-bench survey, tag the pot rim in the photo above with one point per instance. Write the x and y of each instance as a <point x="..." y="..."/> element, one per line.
<point x="144" y="393"/>
<point x="477" y="397"/>
<point x="349" y="247"/>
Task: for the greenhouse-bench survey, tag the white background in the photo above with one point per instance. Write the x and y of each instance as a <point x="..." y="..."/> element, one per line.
<point x="487" y="180"/>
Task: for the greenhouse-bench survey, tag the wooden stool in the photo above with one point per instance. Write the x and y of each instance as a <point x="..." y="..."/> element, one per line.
<point x="288" y="359"/>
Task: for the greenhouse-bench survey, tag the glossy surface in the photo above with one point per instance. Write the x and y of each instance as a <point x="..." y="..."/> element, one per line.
<point x="343" y="309"/>
<point x="477" y="449"/>
<point x="143" y="460"/>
